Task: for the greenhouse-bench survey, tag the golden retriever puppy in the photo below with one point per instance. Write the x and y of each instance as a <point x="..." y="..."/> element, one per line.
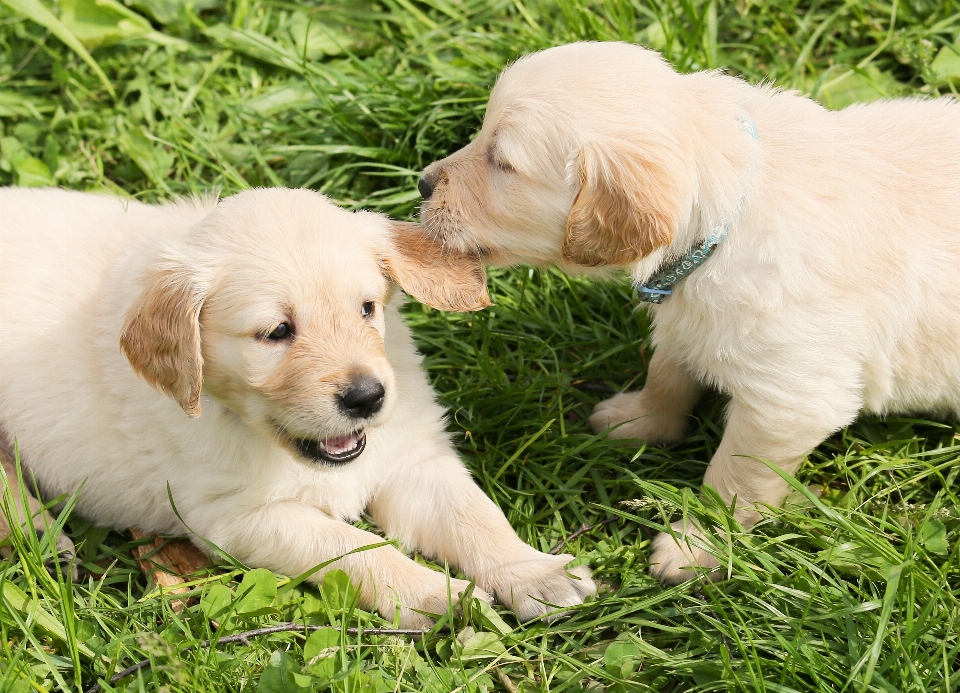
<point x="804" y="262"/>
<point x="248" y="356"/>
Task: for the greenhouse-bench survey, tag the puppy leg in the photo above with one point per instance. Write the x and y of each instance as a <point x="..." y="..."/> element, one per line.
<point x="656" y="414"/>
<point x="290" y="537"/>
<point x="782" y="435"/>
<point x="37" y="517"/>
<point x="433" y="505"/>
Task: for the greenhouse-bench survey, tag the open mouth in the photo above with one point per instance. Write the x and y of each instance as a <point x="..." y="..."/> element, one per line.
<point x="335" y="450"/>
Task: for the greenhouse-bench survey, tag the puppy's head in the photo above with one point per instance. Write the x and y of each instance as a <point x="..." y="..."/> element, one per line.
<point x="590" y="154"/>
<point x="274" y="306"/>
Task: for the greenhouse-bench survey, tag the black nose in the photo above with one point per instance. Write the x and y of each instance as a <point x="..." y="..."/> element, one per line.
<point x="362" y="398"/>
<point x="425" y="188"/>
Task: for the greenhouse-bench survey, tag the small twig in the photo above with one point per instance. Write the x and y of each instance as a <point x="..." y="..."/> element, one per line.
<point x="584" y="528"/>
<point x="244" y="639"/>
<point x="596" y="387"/>
<point x="506" y="680"/>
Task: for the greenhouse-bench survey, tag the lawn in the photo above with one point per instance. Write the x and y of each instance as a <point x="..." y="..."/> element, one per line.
<point x="853" y="586"/>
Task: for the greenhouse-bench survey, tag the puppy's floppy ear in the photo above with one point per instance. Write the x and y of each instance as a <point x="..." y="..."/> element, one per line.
<point x="440" y="277"/>
<point x="627" y="207"/>
<point x="161" y="336"/>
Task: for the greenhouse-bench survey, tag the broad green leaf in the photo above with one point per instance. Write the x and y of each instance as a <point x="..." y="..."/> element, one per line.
<point x="490" y="619"/>
<point x="33" y="173"/>
<point x="37" y="12"/>
<point x="621" y="657"/>
<point x="316" y="39"/>
<point x="12" y="153"/>
<point x="284" y="99"/>
<point x="481" y="646"/>
<point x="303" y="682"/>
<point x="85" y="631"/>
<point x="372" y="681"/>
<point x="309" y="605"/>
<point x="654" y="36"/>
<point x="319" y="652"/>
<point x="167" y="11"/>
<point x="256" y="593"/>
<point x="256" y="45"/>
<point x="149" y="156"/>
<point x="854" y="559"/>
<point x="30" y="172"/>
<point x="857" y="86"/>
<point x="445" y="649"/>
<point x="215" y="602"/>
<point x="282" y="675"/>
<point x="933" y="536"/>
<point x="337" y="590"/>
<point x="262" y="47"/>
<point x="434" y="679"/>
<point x="164" y="11"/>
<point x="102" y="22"/>
<point x="21" y="686"/>
<point x="945" y="68"/>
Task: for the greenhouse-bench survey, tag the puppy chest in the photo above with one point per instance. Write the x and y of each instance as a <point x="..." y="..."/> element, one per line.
<point x="341" y="493"/>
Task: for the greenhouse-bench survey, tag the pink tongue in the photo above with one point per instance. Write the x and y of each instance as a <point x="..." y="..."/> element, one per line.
<point x="341" y="444"/>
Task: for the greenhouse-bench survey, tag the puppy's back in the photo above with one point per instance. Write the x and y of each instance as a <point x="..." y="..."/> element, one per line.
<point x="918" y="138"/>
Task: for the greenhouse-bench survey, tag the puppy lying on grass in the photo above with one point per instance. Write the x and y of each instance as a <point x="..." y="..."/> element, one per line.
<point x="248" y="355"/>
<point x="805" y="262"/>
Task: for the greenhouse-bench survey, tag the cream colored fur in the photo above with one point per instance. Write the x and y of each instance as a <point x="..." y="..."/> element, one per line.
<point x="80" y="269"/>
<point x="837" y="290"/>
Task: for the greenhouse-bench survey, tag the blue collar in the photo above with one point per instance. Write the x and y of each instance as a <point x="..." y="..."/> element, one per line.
<point x="661" y="284"/>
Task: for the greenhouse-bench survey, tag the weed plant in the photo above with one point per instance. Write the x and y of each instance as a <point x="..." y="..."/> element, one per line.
<point x="853" y="588"/>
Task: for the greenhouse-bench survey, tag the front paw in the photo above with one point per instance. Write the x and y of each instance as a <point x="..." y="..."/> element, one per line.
<point x="432" y="596"/>
<point x="636" y="418"/>
<point x="676" y="559"/>
<point x="537" y="586"/>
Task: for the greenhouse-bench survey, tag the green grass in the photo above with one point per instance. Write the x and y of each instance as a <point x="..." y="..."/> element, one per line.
<point x="857" y="590"/>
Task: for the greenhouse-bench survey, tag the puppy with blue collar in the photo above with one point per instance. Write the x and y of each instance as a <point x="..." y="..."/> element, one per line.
<point x="805" y="262"/>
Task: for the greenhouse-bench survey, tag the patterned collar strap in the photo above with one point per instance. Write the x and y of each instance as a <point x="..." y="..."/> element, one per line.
<point x="661" y="284"/>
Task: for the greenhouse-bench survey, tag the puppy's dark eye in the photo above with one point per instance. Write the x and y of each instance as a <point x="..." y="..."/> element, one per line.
<point x="281" y="331"/>
<point x="366" y="310"/>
